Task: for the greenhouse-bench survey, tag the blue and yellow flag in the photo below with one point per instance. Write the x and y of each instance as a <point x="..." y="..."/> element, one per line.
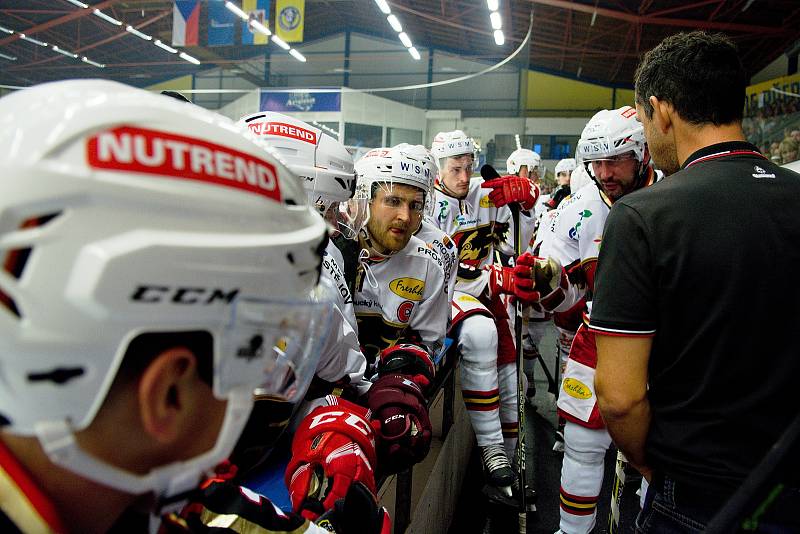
<point x="289" y="20"/>
<point x="259" y="9"/>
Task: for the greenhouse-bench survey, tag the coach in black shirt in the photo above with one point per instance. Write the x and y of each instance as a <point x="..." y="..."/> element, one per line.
<point x="697" y="292"/>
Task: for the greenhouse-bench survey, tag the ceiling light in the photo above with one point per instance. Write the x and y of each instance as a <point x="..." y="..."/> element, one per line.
<point x="107" y="18"/>
<point x="383" y="6"/>
<point x="405" y="40"/>
<point x="499" y="38"/>
<point x="190" y="59"/>
<point x="493" y="5"/>
<point x="32" y="40"/>
<point x="256" y="25"/>
<point x="161" y="45"/>
<point x="496" y="21"/>
<point x="237" y="10"/>
<point x="90" y="62"/>
<point x="394" y="23"/>
<point x="280" y="42"/>
<point x="414" y="53"/>
<point x="79" y="4"/>
<point x="10" y="58"/>
<point x="6" y="30"/>
<point x="64" y="52"/>
<point x="297" y="55"/>
<point x="137" y="33"/>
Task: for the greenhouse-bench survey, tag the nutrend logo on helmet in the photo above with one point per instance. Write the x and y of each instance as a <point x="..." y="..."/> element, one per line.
<point x="134" y="149"/>
<point x="283" y="130"/>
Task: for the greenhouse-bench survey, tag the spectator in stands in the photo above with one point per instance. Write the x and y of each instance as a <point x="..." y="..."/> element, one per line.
<point x="788" y="150"/>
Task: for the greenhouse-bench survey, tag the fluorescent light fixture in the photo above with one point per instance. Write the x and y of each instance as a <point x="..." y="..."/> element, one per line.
<point x="237" y="10"/>
<point x="493" y="5"/>
<point x="257" y="26"/>
<point x="594" y="18"/>
<point x="383" y="6"/>
<point x="280" y="42"/>
<point x="414" y="53"/>
<point x="297" y="55"/>
<point x="32" y="40"/>
<point x="137" y="33"/>
<point x="394" y="23"/>
<point x="79" y="4"/>
<point x="64" y="52"/>
<point x="190" y="59"/>
<point x="107" y="18"/>
<point x="580" y="69"/>
<point x="496" y="21"/>
<point x="161" y="45"/>
<point x="10" y="58"/>
<point x="6" y="30"/>
<point x="499" y="38"/>
<point x="94" y="63"/>
<point x="405" y="40"/>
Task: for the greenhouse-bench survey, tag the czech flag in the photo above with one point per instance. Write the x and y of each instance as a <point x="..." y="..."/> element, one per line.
<point x="185" y="23"/>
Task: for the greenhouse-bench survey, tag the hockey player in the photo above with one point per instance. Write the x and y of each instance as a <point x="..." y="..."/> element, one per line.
<point x="563" y="171"/>
<point x="613" y="149"/>
<point x="400" y="301"/>
<point x="480" y="323"/>
<point x="137" y="315"/>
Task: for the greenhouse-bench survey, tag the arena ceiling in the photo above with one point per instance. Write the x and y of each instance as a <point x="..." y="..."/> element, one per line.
<point x="595" y="40"/>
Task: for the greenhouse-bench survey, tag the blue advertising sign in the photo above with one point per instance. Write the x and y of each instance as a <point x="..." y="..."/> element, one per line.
<point x="221" y="24"/>
<point x="300" y="101"/>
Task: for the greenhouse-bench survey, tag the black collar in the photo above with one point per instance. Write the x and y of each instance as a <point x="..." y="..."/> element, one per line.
<point x="723" y="150"/>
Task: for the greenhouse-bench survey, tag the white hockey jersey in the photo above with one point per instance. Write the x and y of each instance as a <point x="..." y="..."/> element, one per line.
<point x="446" y="252"/>
<point x="477" y="226"/>
<point x="401" y="299"/>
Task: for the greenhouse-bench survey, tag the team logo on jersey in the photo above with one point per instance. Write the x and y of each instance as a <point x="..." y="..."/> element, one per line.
<point x="475" y="244"/>
<point x="486" y="202"/>
<point x="404" y="311"/>
<point x="408" y="288"/>
<point x="577" y="389"/>
<point x="762" y="173"/>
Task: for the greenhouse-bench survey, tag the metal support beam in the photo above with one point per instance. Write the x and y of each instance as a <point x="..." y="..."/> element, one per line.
<point x="346" y="62"/>
<point x="78" y="13"/>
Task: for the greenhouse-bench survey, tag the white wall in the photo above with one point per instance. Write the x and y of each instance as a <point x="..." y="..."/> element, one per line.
<point x="779" y="67"/>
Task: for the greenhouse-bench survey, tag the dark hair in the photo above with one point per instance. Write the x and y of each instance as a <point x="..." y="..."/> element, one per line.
<point x="699" y="73"/>
<point x="176" y="95"/>
<point x="144" y="348"/>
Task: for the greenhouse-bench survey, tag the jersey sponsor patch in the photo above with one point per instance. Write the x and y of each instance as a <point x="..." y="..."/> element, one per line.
<point x="486" y="202"/>
<point x="404" y="311"/>
<point x="408" y="288"/>
<point x="283" y="130"/>
<point x="575" y="388"/>
<point x="141" y="150"/>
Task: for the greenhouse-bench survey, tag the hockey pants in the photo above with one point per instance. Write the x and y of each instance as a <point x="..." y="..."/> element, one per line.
<point x="581" y="476"/>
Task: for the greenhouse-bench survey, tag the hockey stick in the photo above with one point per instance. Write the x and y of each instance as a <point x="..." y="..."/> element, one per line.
<point x="488" y="172"/>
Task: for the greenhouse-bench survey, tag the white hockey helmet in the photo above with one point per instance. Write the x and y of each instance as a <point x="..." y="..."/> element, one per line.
<point x="322" y="162"/>
<point x="579" y="178"/>
<point x="419" y="151"/>
<point x="123" y="213"/>
<point x="565" y="165"/>
<point x="451" y="144"/>
<point x="523" y="157"/>
<point x="611" y="132"/>
<point x="403" y="164"/>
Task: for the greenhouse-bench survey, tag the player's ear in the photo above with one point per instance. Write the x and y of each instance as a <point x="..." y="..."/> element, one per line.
<point x="662" y="114"/>
<point x="165" y="392"/>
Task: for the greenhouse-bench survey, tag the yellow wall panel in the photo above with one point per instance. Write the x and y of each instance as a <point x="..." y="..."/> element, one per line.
<point x="181" y="83"/>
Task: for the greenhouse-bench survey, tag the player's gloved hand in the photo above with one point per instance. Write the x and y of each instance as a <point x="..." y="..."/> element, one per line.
<point x="333" y="448"/>
<point x="540" y="280"/>
<point x="409" y="360"/>
<point x="401" y="423"/>
<point x="508" y="189"/>
<point x="357" y="513"/>
<point x="501" y="280"/>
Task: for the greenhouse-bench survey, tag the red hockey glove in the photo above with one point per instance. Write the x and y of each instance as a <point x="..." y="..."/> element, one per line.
<point x="508" y="189"/>
<point x="501" y="280"/>
<point x="333" y="447"/>
<point x="540" y="280"/>
<point x="409" y="360"/>
<point x="357" y="513"/>
<point x="400" y="420"/>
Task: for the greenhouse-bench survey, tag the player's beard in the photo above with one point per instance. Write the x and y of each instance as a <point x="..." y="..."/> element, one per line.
<point x="387" y="240"/>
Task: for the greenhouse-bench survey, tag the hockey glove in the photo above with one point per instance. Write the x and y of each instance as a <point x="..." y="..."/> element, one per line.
<point x="409" y="360"/>
<point x="501" y="280"/>
<point x="400" y="420"/>
<point x="508" y="189"/>
<point x="357" y="513"/>
<point x="333" y="448"/>
<point x="540" y="280"/>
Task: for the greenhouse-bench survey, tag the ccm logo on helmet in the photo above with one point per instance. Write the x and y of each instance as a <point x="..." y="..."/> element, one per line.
<point x="283" y="130"/>
<point x="163" y="154"/>
<point x="182" y="295"/>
